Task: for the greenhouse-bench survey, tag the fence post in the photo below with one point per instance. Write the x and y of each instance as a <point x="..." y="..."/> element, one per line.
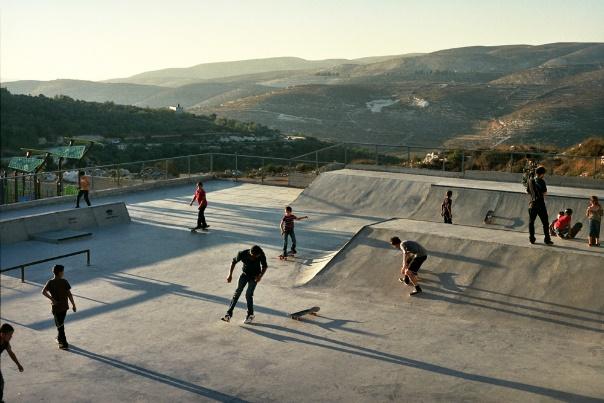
<point x="463" y="163"/>
<point x="317" y="161"/>
<point x="376" y="154"/>
<point x="262" y="173"/>
<point x="118" y="175"/>
<point x="345" y="154"/>
<point x="189" y="164"/>
<point x="211" y="162"/>
<point x="87" y="257"/>
<point x="166" y="169"/>
<point x="408" y="157"/>
<point x="23" y="274"/>
<point x="143" y="172"/>
<point x="236" y="165"/>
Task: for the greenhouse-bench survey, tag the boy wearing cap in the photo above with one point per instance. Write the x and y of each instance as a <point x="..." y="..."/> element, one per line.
<point x="57" y="290"/>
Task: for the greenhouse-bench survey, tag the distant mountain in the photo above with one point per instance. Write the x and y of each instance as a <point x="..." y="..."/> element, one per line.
<point x="180" y="76"/>
<point x="479" y="95"/>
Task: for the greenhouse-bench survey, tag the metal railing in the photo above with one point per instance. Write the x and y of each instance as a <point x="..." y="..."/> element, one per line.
<point x="24" y="265"/>
<point x="284" y="171"/>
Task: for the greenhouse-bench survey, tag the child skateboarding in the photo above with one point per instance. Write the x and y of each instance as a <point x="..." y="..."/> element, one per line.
<point x="57" y="290"/>
<point x="254" y="268"/>
<point x="287" y="230"/>
<point x="6" y="334"/>
<point x="594" y="215"/>
<point x="200" y="196"/>
<point x="414" y="255"/>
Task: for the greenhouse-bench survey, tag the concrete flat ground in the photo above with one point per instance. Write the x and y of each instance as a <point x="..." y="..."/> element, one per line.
<point x="147" y="326"/>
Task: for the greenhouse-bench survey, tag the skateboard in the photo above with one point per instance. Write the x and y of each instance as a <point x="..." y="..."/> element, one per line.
<point x="490" y="217"/>
<point x="291" y="256"/>
<point x="575" y="230"/>
<point x="310" y="311"/>
<point x="195" y="229"/>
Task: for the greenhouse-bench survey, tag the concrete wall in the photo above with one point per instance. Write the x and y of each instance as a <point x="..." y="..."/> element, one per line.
<point x="107" y="192"/>
<point x="24" y="228"/>
<point x="553" y="180"/>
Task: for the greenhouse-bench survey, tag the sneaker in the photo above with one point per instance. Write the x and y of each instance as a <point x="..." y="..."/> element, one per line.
<point x="293" y="251"/>
<point x="417" y="290"/>
<point x="249" y="319"/>
<point x="532" y="240"/>
<point x="226" y="318"/>
<point x="548" y="242"/>
<point x="64" y="346"/>
<point x="405" y="280"/>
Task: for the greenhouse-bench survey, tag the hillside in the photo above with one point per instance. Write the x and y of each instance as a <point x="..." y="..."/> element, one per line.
<point x="472" y="96"/>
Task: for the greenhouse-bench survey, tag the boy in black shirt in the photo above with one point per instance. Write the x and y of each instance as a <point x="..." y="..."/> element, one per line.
<point x="254" y="267"/>
<point x="537" y="190"/>
<point x="446" y="208"/>
<point x="57" y="291"/>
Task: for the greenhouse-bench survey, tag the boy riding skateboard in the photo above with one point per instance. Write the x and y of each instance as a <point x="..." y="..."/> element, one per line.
<point x="287" y="230"/>
<point x="414" y="255"/>
<point x="254" y="268"/>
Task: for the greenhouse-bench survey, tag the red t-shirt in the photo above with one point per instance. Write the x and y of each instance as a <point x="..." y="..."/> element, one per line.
<point x="200" y="196"/>
<point x="562" y="222"/>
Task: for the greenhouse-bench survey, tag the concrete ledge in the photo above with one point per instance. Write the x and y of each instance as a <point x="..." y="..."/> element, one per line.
<point x="28" y="227"/>
<point x="106" y="192"/>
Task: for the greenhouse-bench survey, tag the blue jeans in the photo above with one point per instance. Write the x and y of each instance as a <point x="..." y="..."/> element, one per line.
<point x="291" y="234"/>
<point x="244" y="280"/>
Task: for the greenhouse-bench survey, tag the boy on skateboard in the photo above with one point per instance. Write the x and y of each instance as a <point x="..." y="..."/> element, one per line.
<point x="446" y="208"/>
<point x="200" y="196"/>
<point x="6" y="333"/>
<point x="254" y="267"/>
<point x="414" y="255"/>
<point x="57" y="290"/>
<point x="287" y="230"/>
<point x="84" y="188"/>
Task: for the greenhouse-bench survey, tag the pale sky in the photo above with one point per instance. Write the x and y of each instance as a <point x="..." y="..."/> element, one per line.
<point x="102" y="39"/>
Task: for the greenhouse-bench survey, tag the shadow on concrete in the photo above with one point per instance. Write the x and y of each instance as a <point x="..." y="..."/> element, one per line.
<point x="156" y="376"/>
<point x="439" y="294"/>
<point x="343" y="347"/>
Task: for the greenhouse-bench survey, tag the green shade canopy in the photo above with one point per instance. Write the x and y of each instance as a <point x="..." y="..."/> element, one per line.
<point x="71" y="152"/>
<point x="25" y="164"/>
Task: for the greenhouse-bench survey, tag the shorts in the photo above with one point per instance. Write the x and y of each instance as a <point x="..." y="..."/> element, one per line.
<point x="594" y="228"/>
<point x="416" y="263"/>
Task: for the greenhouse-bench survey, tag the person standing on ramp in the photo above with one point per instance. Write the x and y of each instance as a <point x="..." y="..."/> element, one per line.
<point x="537" y="190"/>
<point x="446" y="208"/>
<point x="414" y="255"/>
<point x="254" y="268"/>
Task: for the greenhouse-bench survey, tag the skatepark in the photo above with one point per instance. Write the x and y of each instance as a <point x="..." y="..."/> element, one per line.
<point x="499" y="319"/>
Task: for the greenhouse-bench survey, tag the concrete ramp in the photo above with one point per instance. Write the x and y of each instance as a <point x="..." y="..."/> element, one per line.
<point x="64" y="224"/>
<point x="362" y="193"/>
<point x="482" y="270"/>
<point x="384" y="195"/>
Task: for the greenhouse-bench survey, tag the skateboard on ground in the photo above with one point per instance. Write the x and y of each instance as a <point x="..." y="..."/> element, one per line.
<point x="575" y="230"/>
<point x="194" y="229"/>
<point x="490" y="217"/>
<point x="309" y="311"/>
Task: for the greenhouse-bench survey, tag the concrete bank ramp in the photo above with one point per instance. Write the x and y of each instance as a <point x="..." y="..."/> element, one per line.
<point x="478" y="272"/>
<point x="363" y="193"/>
<point x="63" y="224"/>
<point x="388" y="195"/>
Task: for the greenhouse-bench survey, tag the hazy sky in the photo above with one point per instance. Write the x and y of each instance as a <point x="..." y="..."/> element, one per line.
<point x="101" y="39"/>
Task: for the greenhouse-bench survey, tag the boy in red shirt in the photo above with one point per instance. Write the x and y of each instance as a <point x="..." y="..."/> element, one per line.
<point x="287" y="230"/>
<point x="562" y="224"/>
<point x="200" y="196"/>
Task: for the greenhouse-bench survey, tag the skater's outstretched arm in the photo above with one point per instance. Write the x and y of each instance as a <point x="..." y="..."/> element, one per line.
<point x="14" y="358"/>
<point x="301" y="218"/>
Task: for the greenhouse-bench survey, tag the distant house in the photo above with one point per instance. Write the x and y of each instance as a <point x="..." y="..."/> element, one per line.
<point x="177" y="109"/>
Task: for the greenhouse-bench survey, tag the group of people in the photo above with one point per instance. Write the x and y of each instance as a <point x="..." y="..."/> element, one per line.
<point x="537" y="190"/>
